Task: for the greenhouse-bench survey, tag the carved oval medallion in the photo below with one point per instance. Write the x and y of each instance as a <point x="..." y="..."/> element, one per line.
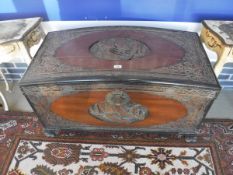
<point x="118" y="108"/>
<point x="119" y="48"/>
<point x="161" y="110"/>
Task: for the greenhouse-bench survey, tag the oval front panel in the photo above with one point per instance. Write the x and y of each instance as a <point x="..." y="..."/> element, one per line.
<point x="75" y="107"/>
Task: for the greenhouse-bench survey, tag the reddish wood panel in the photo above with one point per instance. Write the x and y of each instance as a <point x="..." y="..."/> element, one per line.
<point x="74" y="107"/>
<point x="76" y="52"/>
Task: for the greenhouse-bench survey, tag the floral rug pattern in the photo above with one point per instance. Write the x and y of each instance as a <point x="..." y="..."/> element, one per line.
<point x="43" y="157"/>
<point x="22" y="140"/>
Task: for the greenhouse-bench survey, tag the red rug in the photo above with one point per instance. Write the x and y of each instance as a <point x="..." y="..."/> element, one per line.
<point x="25" y="150"/>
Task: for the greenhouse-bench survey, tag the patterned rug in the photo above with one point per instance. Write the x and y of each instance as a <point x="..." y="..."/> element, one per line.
<point x="25" y="150"/>
<point x="44" y="156"/>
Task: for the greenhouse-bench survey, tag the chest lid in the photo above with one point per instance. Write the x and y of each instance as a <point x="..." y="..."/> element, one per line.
<point x="121" y="53"/>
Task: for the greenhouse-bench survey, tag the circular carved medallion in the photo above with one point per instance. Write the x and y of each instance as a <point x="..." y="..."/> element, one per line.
<point x="119" y="48"/>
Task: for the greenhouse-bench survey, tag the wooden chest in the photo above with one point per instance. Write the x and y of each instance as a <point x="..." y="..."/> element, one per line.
<point x="121" y="78"/>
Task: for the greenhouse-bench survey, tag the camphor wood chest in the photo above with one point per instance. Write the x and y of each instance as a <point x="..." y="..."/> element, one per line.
<point x="121" y="78"/>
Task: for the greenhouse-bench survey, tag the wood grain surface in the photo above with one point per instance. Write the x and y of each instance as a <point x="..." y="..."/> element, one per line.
<point x="76" y="52"/>
<point x="74" y="107"/>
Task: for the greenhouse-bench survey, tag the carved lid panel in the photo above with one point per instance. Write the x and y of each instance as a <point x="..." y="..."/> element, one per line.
<point x="148" y="54"/>
<point x="135" y="50"/>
